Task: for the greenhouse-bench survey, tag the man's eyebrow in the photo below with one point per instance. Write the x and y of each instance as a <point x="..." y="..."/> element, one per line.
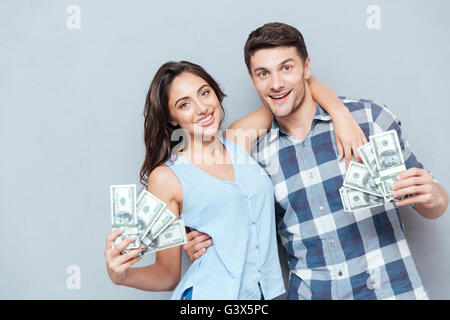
<point x="185" y="97"/>
<point x="286" y="61"/>
<point x="280" y="64"/>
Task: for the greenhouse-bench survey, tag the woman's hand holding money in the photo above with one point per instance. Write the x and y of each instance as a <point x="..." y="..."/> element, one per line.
<point x="117" y="264"/>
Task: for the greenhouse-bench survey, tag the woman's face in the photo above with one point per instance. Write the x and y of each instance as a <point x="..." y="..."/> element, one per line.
<point x="194" y="105"/>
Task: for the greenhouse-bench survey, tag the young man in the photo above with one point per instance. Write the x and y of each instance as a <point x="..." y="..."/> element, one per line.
<point x="332" y="254"/>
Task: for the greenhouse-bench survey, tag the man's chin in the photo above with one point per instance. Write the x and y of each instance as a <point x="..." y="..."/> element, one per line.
<point x="281" y="112"/>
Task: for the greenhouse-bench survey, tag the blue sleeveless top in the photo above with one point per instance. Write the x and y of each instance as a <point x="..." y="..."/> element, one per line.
<point x="239" y="216"/>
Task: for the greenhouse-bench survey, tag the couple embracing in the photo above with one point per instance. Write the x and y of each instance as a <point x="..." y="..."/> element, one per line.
<point x="224" y="187"/>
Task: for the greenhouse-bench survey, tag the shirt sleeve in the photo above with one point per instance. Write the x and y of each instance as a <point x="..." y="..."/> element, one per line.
<point x="385" y="120"/>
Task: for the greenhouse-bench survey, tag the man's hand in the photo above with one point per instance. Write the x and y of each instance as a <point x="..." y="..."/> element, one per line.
<point x="418" y="183"/>
<point x="196" y="245"/>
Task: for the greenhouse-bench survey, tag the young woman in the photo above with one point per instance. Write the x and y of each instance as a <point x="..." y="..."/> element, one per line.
<point x="214" y="185"/>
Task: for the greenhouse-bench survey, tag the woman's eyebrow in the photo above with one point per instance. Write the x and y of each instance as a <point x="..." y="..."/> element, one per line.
<point x="185" y="97"/>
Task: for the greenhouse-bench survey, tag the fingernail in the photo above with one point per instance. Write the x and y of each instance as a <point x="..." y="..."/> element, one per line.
<point x="141" y="255"/>
<point x="133" y="237"/>
<point x="339" y="157"/>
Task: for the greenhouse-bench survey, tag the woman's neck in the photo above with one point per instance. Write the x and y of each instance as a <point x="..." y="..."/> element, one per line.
<point x="204" y="150"/>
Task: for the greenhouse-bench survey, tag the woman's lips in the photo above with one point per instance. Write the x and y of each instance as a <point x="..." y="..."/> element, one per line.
<point x="280" y="98"/>
<point x="205" y="122"/>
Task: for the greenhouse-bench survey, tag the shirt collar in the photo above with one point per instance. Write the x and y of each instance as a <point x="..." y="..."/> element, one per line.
<point x="276" y="131"/>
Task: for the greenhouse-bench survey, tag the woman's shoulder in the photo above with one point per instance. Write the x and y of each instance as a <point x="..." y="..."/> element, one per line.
<point x="164" y="184"/>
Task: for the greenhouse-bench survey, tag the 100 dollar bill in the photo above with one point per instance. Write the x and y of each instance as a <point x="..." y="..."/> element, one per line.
<point x="389" y="159"/>
<point x="149" y="208"/>
<point x="163" y="221"/>
<point x="358" y="177"/>
<point x="368" y="157"/>
<point x="123" y="212"/>
<point x="354" y="200"/>
<point x="173" y="235"/>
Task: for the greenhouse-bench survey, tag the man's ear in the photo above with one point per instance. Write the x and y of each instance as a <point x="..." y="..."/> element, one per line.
<point x="307" y="68"/>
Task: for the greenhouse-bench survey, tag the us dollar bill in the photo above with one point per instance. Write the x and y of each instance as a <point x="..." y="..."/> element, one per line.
<point x="123" y="213"/>
<point x="149" y="208"/>
<point x="368" y="157"/>
<point x="344" y="200"/>
<point x="358" y="177"/>
<point x="354" y="200"/>
<point x="173" y="235"/>
<point x="389" y="158"/>
<point x="163" y="221"/>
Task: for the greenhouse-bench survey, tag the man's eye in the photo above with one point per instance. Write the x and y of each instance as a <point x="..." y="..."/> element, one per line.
<point x="263" y="74"/>
<point x="287" y="68"/>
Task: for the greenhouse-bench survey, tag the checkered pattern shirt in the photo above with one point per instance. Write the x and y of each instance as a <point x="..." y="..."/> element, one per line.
<point x="334" y="254"/>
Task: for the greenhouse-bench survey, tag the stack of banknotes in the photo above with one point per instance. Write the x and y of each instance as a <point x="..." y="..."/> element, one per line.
<point x="368" y="184"/>
<point x="146" y="218"/>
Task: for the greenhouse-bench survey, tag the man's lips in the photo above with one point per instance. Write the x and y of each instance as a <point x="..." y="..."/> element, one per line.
<point x="280" y="97"/>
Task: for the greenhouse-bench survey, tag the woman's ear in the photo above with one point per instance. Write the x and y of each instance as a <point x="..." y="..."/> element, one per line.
<point x="173" y="122"/>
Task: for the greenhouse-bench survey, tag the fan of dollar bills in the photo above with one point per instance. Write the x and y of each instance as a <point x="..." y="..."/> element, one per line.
<point x="368" y="184"/>
<point x="147" y="218"/>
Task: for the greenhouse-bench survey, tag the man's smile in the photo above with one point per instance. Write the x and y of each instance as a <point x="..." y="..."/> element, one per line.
<point x="280" y="97"/>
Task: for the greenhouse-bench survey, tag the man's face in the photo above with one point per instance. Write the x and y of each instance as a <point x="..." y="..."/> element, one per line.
<point x="279" y="75"/>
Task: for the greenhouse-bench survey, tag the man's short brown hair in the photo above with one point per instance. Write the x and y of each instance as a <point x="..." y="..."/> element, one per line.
<point x="274" y="34"/>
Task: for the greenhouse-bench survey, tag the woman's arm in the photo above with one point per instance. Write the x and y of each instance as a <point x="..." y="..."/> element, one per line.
<point x="164" y="274"/>
<point x="349" y="136"/>
<point x="247" y="130"/>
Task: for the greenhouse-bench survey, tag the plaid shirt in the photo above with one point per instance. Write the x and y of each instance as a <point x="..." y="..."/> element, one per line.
<point x="334" y="254"/>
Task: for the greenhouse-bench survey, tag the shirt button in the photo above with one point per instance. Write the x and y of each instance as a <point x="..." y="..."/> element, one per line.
<point x="330" y="241"/>
<point x="253" y="223"/>
<point x="248" y="197"/>
<point x="259" y="270"/>
<point x="257" y="247"/>
<point x="340" y="274"/>
<point x="321" y="208"/>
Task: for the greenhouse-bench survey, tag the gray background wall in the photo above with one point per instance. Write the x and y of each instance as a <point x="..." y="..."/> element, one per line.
<point x="71" y="103"/>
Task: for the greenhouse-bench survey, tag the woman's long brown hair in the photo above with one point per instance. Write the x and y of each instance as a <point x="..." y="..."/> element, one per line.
<point x="157" y="128"/>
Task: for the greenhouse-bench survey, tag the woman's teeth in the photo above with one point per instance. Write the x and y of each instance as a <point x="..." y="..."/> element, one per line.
<point x="206" y="119"/>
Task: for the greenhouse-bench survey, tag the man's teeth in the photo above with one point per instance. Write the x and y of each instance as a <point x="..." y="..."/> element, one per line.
<point x="206" y="119"/>
<point x="280" y="96"/>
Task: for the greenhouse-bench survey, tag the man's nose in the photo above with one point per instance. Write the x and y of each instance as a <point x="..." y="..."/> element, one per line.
<point x="277" y="83"/>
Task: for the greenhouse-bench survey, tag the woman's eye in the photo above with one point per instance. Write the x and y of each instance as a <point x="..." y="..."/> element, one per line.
<point x="183" y="105"/>
<point x="205" y="93"/>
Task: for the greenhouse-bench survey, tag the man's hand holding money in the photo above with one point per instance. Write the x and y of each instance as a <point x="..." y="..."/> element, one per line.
<point x="419" y="183"/>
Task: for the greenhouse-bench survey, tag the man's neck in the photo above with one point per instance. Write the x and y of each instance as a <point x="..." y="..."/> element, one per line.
<point x="299" y="122"/>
